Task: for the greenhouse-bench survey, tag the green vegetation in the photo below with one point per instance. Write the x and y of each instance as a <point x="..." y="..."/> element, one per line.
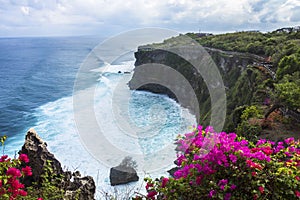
<point x="50" y="186"/>
<point x="277" y="44"/>
<point x="262" y="69"/>
<point x="255" y="86"/>
<point x="250" y="127"/>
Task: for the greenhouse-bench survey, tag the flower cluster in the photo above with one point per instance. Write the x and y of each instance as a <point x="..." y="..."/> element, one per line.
<point x="10" y="175"/>
<point x="224" y="166"/>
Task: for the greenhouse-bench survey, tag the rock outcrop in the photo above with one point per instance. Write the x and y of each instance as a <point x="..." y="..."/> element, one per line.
<point x="36" y="149"/>
<point x="124" y="173"/>
<point x="232" y="66"/>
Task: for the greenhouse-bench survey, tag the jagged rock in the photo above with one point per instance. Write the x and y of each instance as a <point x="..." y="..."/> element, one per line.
<point x="85" y="185"/>
<point x="36" y="149"/>
<point x="122" y="175"/>
<point x="38" y="154"/>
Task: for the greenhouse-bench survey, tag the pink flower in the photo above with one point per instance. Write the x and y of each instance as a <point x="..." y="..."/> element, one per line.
<point x="22" y="193"/>
<point x="151" y="194"/>
<point x="233" y="158"/>
<point x="3" y="158"/>
<point x="297" y="193"/>
<point x="212" y="193"/>
<point x="164" y="182"/>
<point x="209" y="129"/>
<point x="267" y="150"/>
<point x="255" y="197"/>
<point x="222" y="183"/>
<point x="27" y="171"/>
<point x="15" y="184"/>
<point x="149" y="185"/>
<point x="261" y="189"/>
<point x="289" y="140"/>
<point x="227" y="196"/>
<point x="292" y="149"/>
<point x="232" y="187"/>
<point x="40" y="198"/>
<point x="13" y="172"/>
<point x="254" y="165"/>
<point x="23" y="158"/>
<point x="198" y="180"/>
<point x="297" y="178"/>
<point x="260" y="142"/>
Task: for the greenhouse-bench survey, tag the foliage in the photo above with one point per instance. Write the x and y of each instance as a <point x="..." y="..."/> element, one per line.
<point x="50" y="187"/>
<point x="250" y="127"/>
<point x="288" y="65"/>
<point x="250" y="112"/>
<point x="287" y="91"/>
<point x="276" y="44"/>
<point x="224" y="166"/>
<point x="11" y="172"/>
<point x="278" y="51"/>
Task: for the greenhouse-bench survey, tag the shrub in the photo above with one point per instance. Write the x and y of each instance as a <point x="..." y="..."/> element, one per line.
<point x="50" y="187"/>
<point x="224" y="166"/>
<point x="250" y="126"/>
<point x="11" y="172"/>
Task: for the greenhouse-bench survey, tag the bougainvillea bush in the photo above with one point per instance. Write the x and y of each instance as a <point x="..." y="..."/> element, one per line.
<point x="11" y="173"/>
<point x="224" y="166"/>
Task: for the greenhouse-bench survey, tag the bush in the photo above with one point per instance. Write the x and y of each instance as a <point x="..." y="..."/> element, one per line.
<point x="50" y="187"/>
<point x="250" y="125"/>
<point x="11" y="172"/>
<point x="224" y="166"/>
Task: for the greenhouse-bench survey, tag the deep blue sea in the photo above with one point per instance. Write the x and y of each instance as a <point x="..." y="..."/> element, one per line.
<point x="35" y="71"/>
<point x="36" y="90"/>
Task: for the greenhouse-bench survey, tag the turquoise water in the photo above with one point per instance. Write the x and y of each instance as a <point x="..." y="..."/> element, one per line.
<point x="37" y="78"/>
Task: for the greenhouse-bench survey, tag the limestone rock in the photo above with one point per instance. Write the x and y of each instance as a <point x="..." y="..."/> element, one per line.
<point x="36" y="149"/>
<point x="122" y="175"/>
<point x="38" y="154"/>
<point x="85" y="186"/>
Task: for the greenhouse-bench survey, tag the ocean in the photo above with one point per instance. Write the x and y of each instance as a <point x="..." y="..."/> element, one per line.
<point x="37" y="77"/>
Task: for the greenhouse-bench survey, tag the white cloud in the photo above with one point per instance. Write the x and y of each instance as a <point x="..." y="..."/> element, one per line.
<point x="92" y="16"/>
<point x="25" y="10"/>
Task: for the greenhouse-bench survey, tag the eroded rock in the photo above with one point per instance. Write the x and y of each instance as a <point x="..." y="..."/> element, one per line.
<point x="82" y="188"/>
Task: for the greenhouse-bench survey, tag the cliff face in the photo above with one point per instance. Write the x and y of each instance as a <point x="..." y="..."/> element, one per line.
<point x="239" y="79"/>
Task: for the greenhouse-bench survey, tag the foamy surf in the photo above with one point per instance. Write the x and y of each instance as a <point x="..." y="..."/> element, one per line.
<point x="144" y="110"/>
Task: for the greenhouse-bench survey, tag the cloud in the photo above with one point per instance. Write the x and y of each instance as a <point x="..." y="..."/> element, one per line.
<point x="62" y="17"/>
<point x="25" y="10"/>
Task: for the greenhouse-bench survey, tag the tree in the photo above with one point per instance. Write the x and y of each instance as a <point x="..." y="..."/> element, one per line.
<point x="288" y="65"/>
<point x="287" y="91"/>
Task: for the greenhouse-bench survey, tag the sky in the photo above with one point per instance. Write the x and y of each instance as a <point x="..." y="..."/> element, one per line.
<point x="106" y="17"/>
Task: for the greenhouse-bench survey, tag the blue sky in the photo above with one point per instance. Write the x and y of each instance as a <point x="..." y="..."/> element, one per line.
<point x="105" y="17"/>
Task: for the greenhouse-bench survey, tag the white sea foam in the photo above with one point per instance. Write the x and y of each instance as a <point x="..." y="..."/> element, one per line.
<point x="124" y="67"/>
<point x="56" y="125"/>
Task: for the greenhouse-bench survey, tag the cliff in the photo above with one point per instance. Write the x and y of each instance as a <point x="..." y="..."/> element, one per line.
<point x="239" y="78"/>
